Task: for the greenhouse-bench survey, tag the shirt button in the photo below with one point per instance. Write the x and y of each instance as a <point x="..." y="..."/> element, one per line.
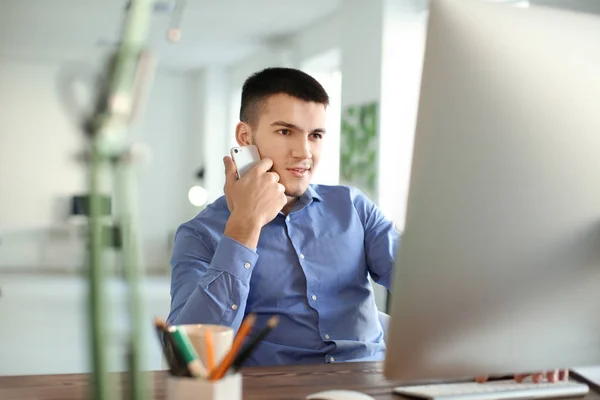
<point x="247" y="265"/>
<point x="287" y="219"/>
<point x="331" y="359"/>
<point x="234" y="306"/>
<point x="302" y="256"/>
<point x="326" y="336"/>
<point x="314" y="297"/>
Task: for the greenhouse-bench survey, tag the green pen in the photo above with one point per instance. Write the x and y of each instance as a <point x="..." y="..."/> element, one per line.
<point x="187" y="351"/>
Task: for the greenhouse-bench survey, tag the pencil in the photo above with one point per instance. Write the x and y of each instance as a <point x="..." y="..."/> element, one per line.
<point x="210" y="350"/>
<point x="242" y="333"/>
<point x="173" y="357"/>
<point x="183" y="344"/>
<point x="247" y="352"/>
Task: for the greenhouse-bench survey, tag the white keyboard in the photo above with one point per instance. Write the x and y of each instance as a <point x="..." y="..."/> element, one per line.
<point x="503" y="389"/>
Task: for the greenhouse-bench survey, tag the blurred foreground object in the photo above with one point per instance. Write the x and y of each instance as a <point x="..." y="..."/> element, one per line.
<point x="117" y="103"/>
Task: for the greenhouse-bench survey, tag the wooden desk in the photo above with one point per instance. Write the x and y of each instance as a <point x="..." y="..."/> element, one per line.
<point x="268" y="383"/>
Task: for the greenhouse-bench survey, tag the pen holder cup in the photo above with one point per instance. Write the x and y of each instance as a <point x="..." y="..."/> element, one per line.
<point x="185" y="388"/>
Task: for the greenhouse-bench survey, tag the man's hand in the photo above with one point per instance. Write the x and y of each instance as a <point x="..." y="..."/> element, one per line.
<point x="552" y="376"/>
<point x="254" y="200"/>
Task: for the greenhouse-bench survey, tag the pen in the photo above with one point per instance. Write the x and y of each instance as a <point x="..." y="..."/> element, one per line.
<point x="173" y="358"/>
<point x="243" y="332"/>
<point x="247" y="352"/>
<point x="185" y="347"/>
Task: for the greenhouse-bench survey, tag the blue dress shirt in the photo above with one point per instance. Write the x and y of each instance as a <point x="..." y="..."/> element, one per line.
<point x="311" y="269"/>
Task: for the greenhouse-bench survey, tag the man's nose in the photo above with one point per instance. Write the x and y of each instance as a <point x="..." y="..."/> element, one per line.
<point x="301" y="148"/>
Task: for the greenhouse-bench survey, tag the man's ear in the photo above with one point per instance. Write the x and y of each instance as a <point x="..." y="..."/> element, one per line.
<point x="243" y="134"/>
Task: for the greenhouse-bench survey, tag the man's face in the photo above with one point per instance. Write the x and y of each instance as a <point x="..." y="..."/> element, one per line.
<point x="290" y="131"/>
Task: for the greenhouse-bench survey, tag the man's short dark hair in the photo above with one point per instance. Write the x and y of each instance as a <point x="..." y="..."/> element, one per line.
<point x="278" y="80"/>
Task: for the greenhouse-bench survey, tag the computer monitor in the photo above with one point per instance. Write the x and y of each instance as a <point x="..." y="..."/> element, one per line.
<point x="498" y="268"/>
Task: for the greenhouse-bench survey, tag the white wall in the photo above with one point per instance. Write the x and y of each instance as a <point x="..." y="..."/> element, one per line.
<point x="38" y="171"/>
<point x="212" y="87"/>
<point x="320" y="37"/>
<point x="361" y="51"/>
<point x="317" y="39"/>
<point x="163" y="188"/>
<point x="271" y="56"/>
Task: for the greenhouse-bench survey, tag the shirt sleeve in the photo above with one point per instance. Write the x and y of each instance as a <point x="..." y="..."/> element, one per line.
<point x="381" y="240"/>
<point x="209" y="285"/>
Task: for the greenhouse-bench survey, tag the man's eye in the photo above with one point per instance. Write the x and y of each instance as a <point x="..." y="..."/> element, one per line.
<point x="317" y="135"/>
<point x="284" y="131"/>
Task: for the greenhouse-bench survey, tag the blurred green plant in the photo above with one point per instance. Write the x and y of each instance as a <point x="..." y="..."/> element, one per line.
<point x="358" y="147"/>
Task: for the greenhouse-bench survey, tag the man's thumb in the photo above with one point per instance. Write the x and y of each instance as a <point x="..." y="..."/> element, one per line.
<point x="230" y="170"/>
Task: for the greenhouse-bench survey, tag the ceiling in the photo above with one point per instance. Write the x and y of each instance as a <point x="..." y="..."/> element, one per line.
<point x="213" y="31"/>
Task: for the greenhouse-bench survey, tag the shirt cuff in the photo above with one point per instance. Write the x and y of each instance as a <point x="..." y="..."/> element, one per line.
<point x="234" y="258"/>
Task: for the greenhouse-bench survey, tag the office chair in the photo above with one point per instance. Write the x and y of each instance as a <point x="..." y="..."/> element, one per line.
<point x="384" y="320"/>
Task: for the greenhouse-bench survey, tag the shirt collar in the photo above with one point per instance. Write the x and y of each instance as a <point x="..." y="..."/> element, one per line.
<point x="310" y="195"/>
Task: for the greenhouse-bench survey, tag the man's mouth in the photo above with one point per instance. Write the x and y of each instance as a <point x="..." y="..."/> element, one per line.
<point x="298" y="172"/>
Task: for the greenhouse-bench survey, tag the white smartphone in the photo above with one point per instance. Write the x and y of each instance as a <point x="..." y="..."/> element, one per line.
<point x="244" y="157"/>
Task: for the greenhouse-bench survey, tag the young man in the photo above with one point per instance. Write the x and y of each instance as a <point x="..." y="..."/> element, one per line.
<point x="276" y="245"/>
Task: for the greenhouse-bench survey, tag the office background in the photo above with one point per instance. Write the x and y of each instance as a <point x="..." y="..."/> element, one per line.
<point x="367" y="54"/>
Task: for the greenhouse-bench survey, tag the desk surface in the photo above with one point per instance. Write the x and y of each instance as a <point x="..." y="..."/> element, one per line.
<point x="266" y="383"/>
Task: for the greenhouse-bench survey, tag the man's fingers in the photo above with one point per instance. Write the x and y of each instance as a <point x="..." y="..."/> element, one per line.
<point x="563" y="374"/>
<point x="274" y="176"/>
<point x="551" y="376"/>
<point x="520" y="377"/>
<point x="230" y="170"/>
<point x="281" y="188"/>
<point x="264" y="165"/>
